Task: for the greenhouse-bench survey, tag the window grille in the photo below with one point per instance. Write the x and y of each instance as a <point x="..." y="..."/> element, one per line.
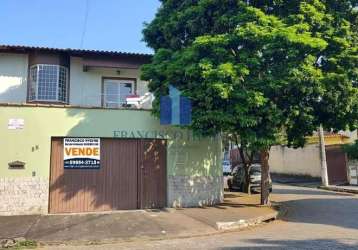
<point x="48" y="83"/>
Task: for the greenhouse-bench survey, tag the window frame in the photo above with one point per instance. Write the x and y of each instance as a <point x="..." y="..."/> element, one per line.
<point x="30" y="83"/>
<point x="133" y="82"/>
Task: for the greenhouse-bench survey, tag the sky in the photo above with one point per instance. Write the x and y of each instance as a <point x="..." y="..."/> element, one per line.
<point x="111" y="24"/>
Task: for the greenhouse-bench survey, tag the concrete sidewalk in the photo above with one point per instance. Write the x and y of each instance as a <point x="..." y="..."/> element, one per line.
<point x="237" y="211"/>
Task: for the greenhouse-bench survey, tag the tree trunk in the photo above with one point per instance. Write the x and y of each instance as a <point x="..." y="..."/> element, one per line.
<point x="247" y="166"/>
<point x="247" y="187"/>
<point x="265" y="178"/>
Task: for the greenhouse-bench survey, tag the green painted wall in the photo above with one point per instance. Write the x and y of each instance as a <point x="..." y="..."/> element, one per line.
<point x="187" y="155"/>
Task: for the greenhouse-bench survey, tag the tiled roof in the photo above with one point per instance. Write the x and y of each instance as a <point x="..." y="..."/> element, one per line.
<point x="72" y="51"/>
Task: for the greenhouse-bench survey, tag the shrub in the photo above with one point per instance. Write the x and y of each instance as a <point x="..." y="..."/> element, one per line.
<point x="352" y="150"/>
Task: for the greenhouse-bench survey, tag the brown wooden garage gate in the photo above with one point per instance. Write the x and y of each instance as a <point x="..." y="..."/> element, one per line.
<point x="132" y="176"/>
<point x="336" y="165"/>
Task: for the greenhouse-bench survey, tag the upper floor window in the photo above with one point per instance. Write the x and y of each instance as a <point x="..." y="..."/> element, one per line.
<point x="116" y="91"/>
<point x="48" y="83"/>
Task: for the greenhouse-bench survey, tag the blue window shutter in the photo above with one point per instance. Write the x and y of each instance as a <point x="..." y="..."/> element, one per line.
<point x="165" y="110"/>
<point x="185" y="111"/>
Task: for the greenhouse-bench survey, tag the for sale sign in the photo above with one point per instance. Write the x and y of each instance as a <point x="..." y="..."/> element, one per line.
<point x="82" y="153"/>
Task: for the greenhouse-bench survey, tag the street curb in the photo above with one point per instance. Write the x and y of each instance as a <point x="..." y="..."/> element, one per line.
<point x="339" y="189"/>
<point x="241" y="224"/>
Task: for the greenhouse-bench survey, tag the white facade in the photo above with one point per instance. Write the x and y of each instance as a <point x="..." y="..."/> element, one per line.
<point x="300" y="161"/>
<point x="85" y="87"/>
<point x="13" y="78"/>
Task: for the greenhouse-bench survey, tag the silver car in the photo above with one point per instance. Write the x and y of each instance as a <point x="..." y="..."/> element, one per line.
<point x="237" y="179"/>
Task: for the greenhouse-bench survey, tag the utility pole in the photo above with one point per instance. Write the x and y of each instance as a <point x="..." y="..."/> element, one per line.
<point x="322" y="147"/>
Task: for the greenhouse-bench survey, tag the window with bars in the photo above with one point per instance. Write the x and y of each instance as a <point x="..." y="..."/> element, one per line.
<point x="48" y="83"/>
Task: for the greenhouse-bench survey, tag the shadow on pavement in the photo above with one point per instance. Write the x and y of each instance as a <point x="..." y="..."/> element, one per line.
<point x="295" y="244"/>
<point x="289" y="178"/>
<point x="314" y="206"/>
<point x="335" y="212"/>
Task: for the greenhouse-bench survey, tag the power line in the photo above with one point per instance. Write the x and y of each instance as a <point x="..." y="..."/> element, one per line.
<point x="84" y="24"/>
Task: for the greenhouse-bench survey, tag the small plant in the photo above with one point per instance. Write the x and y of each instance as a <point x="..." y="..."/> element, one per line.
<point x="352" y="150"/>
<point x="26" y="244"/>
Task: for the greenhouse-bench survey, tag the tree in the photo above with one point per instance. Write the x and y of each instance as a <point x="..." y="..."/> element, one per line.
<point x="258" y="68"/>
<point x="352" y="150"/>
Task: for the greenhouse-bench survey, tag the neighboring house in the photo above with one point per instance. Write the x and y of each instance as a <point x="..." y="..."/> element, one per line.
<point x="51" y="97"/>
<point x="306" y="161"/>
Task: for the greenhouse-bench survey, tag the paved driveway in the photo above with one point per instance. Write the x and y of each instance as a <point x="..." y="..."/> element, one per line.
<point x="315" y="220"/>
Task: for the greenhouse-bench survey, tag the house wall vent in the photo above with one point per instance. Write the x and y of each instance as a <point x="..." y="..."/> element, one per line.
<point x="17" y="165"/>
